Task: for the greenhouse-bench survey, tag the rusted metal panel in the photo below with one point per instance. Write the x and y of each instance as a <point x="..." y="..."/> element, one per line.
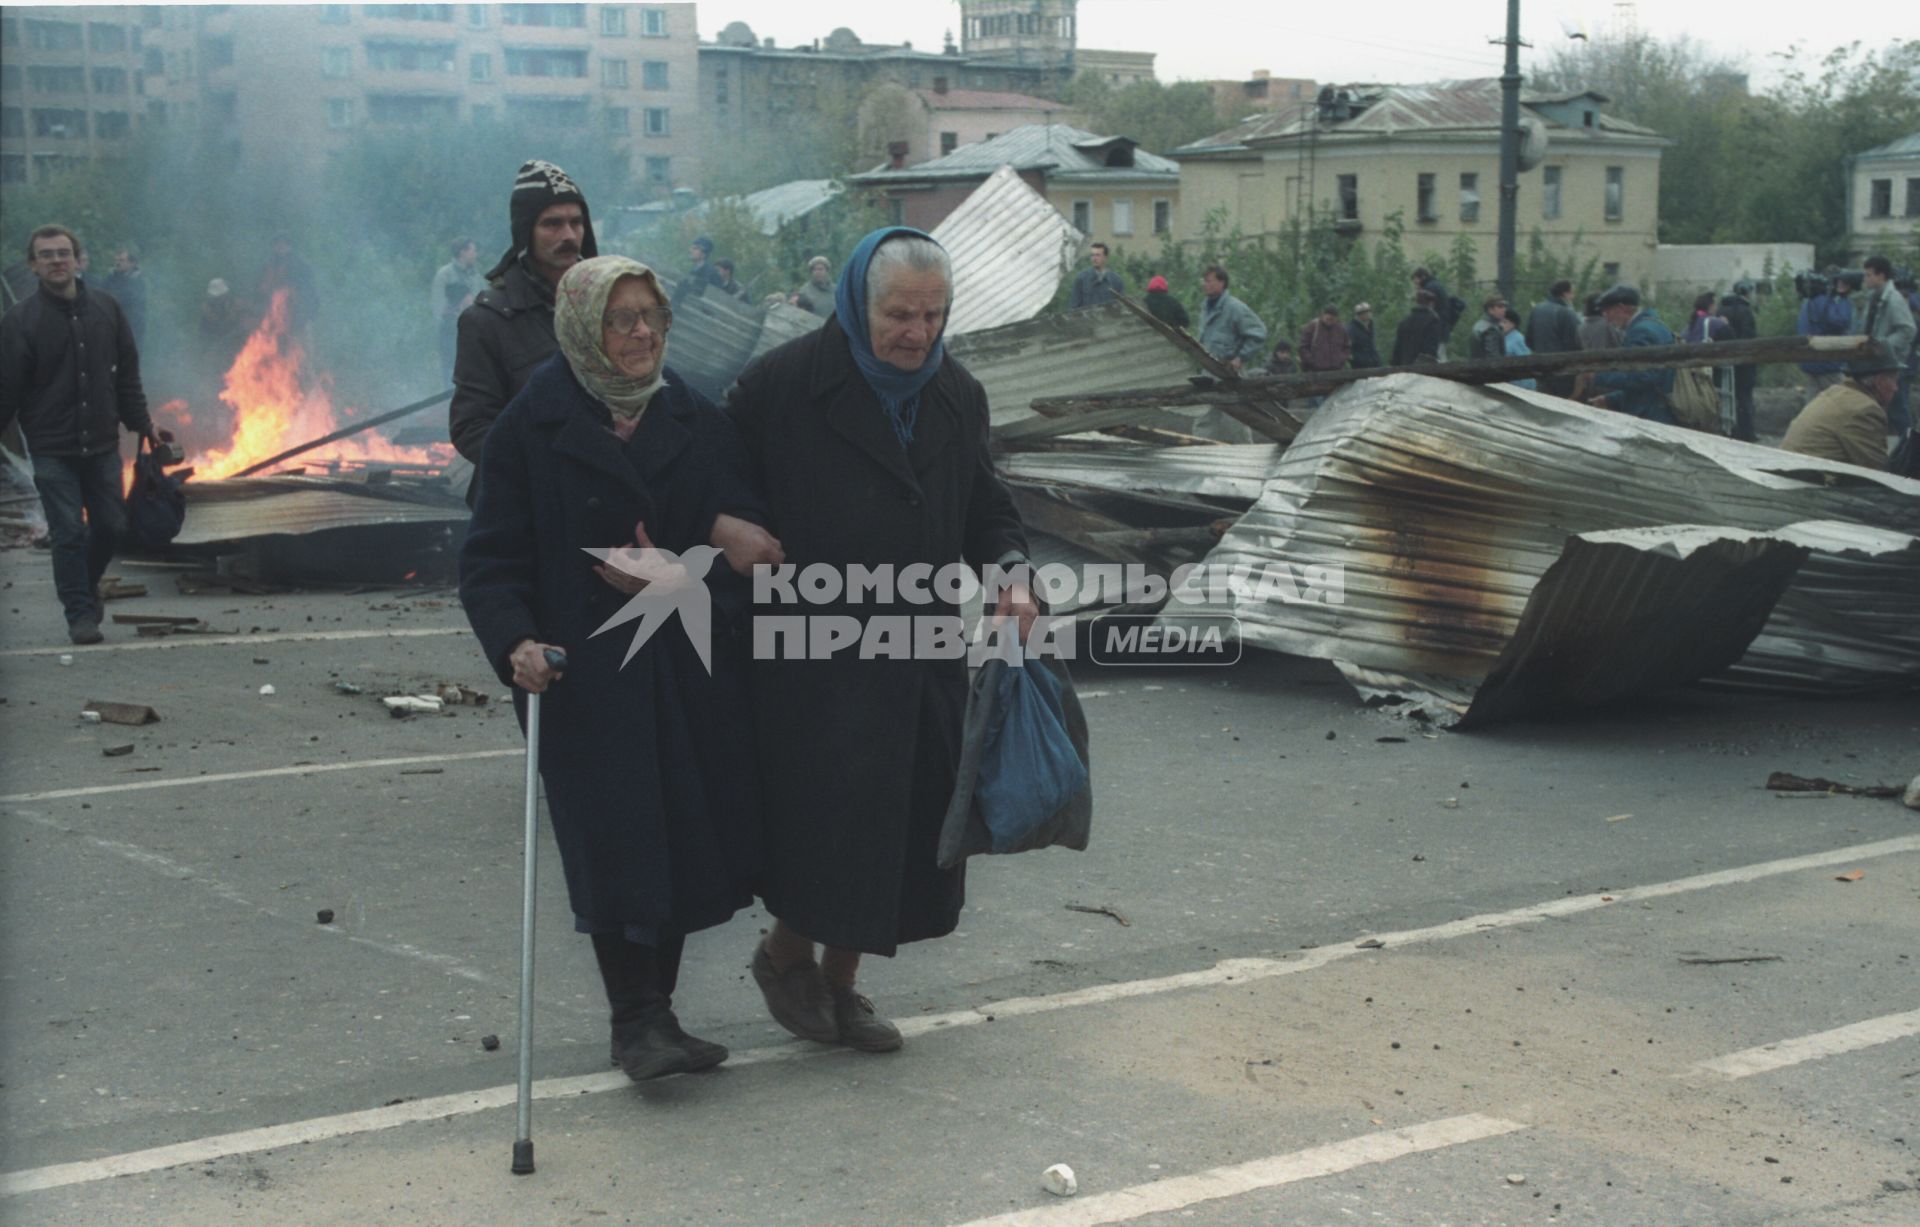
<point x="1010" y="250"/>
<point x="1444" y="506"/>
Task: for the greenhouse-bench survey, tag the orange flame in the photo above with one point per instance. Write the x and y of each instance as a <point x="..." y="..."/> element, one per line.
<point x="275" y="405"/>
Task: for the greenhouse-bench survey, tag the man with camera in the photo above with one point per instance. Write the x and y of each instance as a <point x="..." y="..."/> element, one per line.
<point x="1826" y="310"/>
<point x="1881" y="314"/>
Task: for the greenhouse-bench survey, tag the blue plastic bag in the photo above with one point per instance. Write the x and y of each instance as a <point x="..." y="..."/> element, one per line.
<point x="1029" y="769"/>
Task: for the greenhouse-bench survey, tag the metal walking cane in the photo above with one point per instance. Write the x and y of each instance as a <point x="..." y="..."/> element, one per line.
<point x="523" y="1137"/>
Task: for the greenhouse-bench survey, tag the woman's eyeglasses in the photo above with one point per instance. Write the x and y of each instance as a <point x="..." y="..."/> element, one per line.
<point x="622" y="319"/>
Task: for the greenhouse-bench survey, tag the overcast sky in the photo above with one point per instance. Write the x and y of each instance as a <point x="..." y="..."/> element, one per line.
<point x="1381" y="40"/>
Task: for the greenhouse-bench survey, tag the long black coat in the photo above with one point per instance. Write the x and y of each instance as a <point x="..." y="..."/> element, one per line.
<point x="858" y="757"/>
<point x="648" y="776"/>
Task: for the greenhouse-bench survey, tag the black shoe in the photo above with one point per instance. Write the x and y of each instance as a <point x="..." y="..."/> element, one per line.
<point x="650" y="1047"/>
<point x="85" y="630"/>
<point x="797" y="998"/>
<point x="701" y="1054"/>
<point x="858" y="1026"/>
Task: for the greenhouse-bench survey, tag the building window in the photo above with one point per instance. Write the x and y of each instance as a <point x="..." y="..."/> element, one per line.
<point x="1163" y="217"/>
<point x="617" y="122"/>
<point x="1880" y="198"/>
<point x="1469" y="197"/>
<point x="613" y="21"/>
<point x="104" y="37"/>
<point x="553" y="112"/>
<point x="13" y="121"/>
<point x="9" y="32"/>
<point x="10" y="78"/>
<point x="335" y="14"/>
<point x="559" y="16"/>
<point x="48" y="79"/>
<point x="218" y="52"/>
<point x="1616" y="193"/>
<point x="154" y="62"/>
<point x="60" y="124"/>
<point x="720" y="85"/>
<point x="1083" y="216"/>
<point x="653" y="23"/>
<point x="1123" y="218"/>
<point x="339" y="112"/>
<point x="13" y="168"/>
<point x="1610" y="272"/>
<point x="112" y="125"/>
<point x="1550" y="192"/>
<point x="1913" y="198"/>
<point x="1349" y="198"/>
<point x="480" y="66"/>
<point x="544" y="62"/>
<point x="613" y="74"/>
<point x="412" y="108"/>
<point x="336" y="62"/>
<point x="653" y="75"/>
<point x="659" y="170"/>
<point x="53" y="35"/>
<point x="408" y="12"/>
<point x="656" y="121"/>
<point x="949" y="141"/>
<point x="156" y="114"/>
<point x="896" y="211"/>
<point x="109" y="80"/>
<point x="1423" y="200"/>
<point x="392" y="55"/>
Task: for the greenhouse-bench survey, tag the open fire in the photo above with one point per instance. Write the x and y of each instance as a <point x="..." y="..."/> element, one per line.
<point x="271" y="402"/>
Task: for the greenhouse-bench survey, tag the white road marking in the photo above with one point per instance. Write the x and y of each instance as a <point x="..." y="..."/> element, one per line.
<point x="1221" y="973"/>
<point x="1769" y="1057"/>
<point x="267" y="773"/>
<point x="166" y="642"/>
<point x="186" y="873"/>
<point x="1179" y="1192"/>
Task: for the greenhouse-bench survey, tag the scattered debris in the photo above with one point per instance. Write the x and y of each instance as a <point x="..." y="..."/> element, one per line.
<point x="1372" y="943"/>
<point x="324" y="915"/>
<point x="1619" y="817"/>
<point x="1102" y="910"/>
<point x="1786" y="781"/>
<point x="403" y="705"/>
<point x="66" y="658"/>
<point x="121" y="713"/>
<point x="118" y="751"/>
<point x="90" y="717"/>
<point x="1716" y="962"/>
<point x="490" y="1042"/>
<point x="113" y="588"/>
<point x="346" y="688"/>
<point x="1516" y="1178"/>
<point x="1851" y="875"/>
<point x="1391" y="740"/>
<point x="1060" y="1181"/>
<point x="268" y="690"/>
<point x="465" y="696"/>
<point x="1912" y="798"/>
<point x="423" y="771"/>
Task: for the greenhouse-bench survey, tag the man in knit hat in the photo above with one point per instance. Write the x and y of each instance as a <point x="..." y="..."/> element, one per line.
<point x="508" y="331"/>
<point x="701" y="272"/>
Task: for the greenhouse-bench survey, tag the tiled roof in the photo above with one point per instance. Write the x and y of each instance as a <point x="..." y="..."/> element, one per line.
<point x="1058" y="148"/>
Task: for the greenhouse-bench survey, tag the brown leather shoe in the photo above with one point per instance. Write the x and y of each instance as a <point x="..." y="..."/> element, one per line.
<point x="858" y="1026"/>
<point x="797" y="998"/>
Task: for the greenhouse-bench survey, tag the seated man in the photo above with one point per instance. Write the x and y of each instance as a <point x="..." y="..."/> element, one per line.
<point x="1848" y="421"/>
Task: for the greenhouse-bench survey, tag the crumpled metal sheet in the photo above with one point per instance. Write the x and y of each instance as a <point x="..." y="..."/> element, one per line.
<point x="1447" y="506"/>
<point x="1234" y="472"/>
<point x="1074" y="353"/>
<point x="1010" y="250"/>
<point x="237" y="508"/>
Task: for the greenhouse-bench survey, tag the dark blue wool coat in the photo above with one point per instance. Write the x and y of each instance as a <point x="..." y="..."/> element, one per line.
<point x="648" y="767"/>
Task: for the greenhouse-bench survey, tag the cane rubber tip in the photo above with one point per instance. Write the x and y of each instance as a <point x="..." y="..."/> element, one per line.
<point x="523" y="1158"/>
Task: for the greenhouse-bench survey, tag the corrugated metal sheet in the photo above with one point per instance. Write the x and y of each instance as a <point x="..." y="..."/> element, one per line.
<point x="774" y="207"/>
<point x="1445" y="505"/>
<point x="712" y="336"/>
<point x="783" y="324"/>
<point x="1054" y="147"/>
<point x="1010" y="249"/>
<point x="1234" y="471"/>
<point x="238" y="508"/>
<point x="1097" y="349"/>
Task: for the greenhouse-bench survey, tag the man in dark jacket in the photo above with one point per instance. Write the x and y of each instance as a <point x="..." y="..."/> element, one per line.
<point x="1826" y="315"/>
<point x="1096" y="284"/>
<point x="1553" y="327"/>
<point x="1737" y="309"/>
<point x="1163" y="305"/>
<point x="70" y="371"/>
<point x="1324" y="344"/>
<point x="870" y="445"/>
<point x="508" y="331"/>
<point x="1447" y="309"/>
<point x="1418" y="338"/>
<point x="129" y="289"/>
<point x="1642" y="393"/>
<point x="1366" y="352"/>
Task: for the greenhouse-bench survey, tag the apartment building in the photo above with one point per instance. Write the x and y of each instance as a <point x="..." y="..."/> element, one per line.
<point x="277" y="88"/>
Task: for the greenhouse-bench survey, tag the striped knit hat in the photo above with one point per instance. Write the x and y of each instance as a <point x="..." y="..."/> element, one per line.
<point x="539" y="185"/>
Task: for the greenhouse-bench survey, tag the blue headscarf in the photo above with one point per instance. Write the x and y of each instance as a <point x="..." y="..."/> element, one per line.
<point x="898" y="390"/>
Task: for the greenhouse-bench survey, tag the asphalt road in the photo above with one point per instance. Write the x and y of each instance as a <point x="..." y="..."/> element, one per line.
<point x="182" y="1042"/>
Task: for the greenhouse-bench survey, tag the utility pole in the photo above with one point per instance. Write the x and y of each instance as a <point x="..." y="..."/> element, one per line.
<point x="1509" y="150"/>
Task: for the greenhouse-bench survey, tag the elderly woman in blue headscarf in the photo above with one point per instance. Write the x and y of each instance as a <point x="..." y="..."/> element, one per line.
<point x="606" y="478"/>
<point x="869" y="445"/>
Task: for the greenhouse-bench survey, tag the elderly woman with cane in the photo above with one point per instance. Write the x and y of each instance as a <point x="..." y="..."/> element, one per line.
<point x="870" y="445"/>
<point x="655" y="814"/>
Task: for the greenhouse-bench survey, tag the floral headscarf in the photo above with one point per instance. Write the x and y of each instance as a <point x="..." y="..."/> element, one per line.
<point x="578" y="305"/>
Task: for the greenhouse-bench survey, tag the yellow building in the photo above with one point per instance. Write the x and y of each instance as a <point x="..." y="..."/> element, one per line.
<point x="1431" y="153"/>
